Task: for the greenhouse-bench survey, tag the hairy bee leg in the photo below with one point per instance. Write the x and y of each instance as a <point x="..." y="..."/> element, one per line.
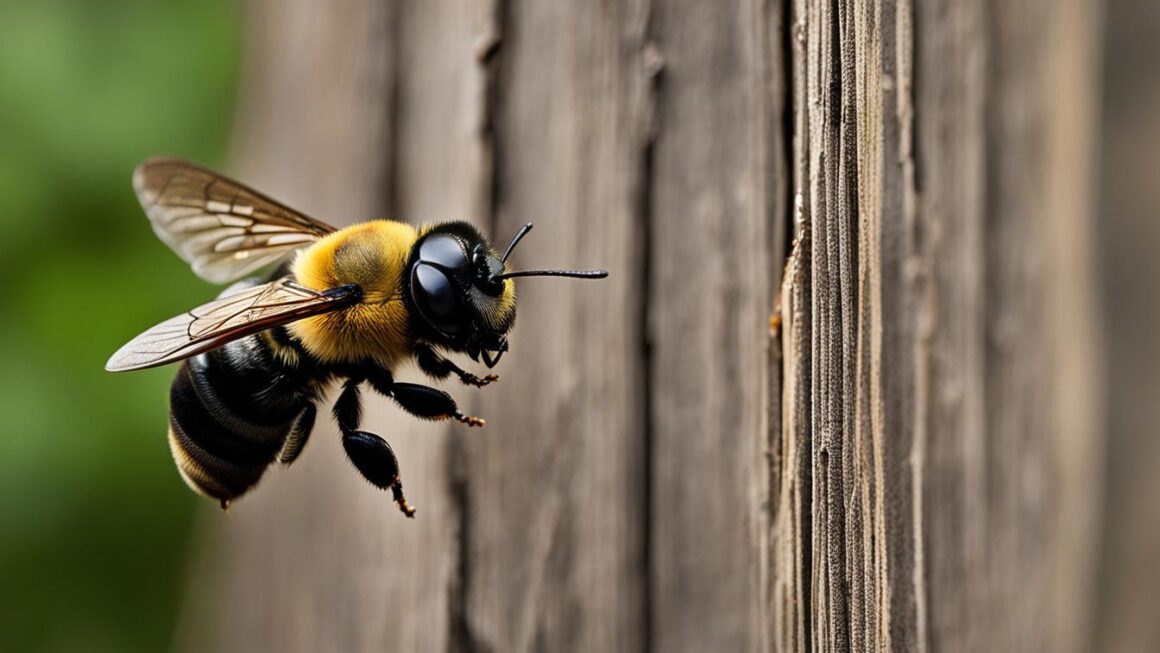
<point x="299" y="434"/>
<point x="420" y="400"/>
<point x="375" y="460"/>
<point x="430" y="403"/>
<point x="348" y="407"/>
<point x="439" y="367"/>
<point x="370" y="454"/>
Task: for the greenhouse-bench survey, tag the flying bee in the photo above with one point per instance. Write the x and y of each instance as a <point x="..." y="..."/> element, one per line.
<point x="349" y="304"/>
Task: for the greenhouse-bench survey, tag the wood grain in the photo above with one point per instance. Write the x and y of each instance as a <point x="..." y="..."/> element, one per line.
<point x="1129" y="237"/>
<point x="909" y="460"/>
<point x="554" y="490"/>
<point x="713" y="267"/>
<point x="948" y="355"/>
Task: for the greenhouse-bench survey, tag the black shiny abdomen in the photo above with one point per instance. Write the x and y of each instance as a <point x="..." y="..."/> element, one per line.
<point x="232" y="410"/>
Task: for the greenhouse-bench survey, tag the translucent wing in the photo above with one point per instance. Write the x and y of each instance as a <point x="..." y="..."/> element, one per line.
<point x="228" y="318"/>
<point x="219" y="226"/>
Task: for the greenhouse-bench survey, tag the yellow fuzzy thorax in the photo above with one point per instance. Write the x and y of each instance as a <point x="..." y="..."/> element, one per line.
<point x="373" y="255"/>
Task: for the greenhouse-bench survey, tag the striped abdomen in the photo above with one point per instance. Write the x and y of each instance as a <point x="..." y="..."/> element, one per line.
<point x="235" y="410"/>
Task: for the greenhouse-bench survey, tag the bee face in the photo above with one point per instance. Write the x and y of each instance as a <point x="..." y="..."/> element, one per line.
<point x="454" y="287"/>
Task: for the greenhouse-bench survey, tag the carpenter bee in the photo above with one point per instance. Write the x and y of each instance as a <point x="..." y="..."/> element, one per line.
<point x="349" y="304"/>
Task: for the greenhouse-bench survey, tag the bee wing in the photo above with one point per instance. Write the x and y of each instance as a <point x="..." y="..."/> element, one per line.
<point x="222" y="228"/>
<point x="228" y="318"/>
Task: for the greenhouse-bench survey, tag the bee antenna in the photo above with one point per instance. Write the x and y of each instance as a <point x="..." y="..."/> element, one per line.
<point x="519" y="236"/>
<point x="576" y="274"/>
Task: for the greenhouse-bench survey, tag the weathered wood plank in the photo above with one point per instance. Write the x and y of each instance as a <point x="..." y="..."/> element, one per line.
<point x="792" y="523"/>
<point x="928" y="477"/>
<point x="792" y="493"/>
<point x="1010" y="427"/>
<point x="713" y="270"/>
<point x="1129" y="237"/>
<point x="955" y="464"/>
<point x="555" y="486"/>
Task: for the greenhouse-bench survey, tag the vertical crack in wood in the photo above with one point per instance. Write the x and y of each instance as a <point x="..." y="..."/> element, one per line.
<point x="489" y="58"/>
<point x="651" y="66"/>
<point x="646" y="393"/>
<point x="461" y="637"/>
<point x="793" y="591"/>
<point x="905" y="47"/>
<point x="775" y="116"/>
<point x="389" y="183"/>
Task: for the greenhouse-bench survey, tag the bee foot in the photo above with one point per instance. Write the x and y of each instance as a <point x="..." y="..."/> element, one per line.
<point x="397" y="493"/>
<point x="471" y="379"/>
<point x="468" y="419"/>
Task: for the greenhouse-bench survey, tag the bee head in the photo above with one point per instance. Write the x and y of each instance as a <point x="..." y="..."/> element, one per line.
<point x="461" y="292"/>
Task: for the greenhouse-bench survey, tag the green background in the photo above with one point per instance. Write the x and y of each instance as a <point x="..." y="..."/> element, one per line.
<point x="94" y="520"/>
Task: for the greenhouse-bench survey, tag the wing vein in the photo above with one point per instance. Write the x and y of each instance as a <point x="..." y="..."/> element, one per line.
<point x="223" y="228"/>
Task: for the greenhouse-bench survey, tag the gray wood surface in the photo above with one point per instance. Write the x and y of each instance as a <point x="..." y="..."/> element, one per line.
<point x="554" y="487"/>
<point x="718" y="187"/>
<point x="906" y="457"/>
<point x="1129" y="237"/>
<point x="940" y="329"/>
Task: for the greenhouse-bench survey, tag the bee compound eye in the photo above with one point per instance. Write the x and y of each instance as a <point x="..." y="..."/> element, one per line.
<point x="436" y="297"/>
<point x="445" y="252"/>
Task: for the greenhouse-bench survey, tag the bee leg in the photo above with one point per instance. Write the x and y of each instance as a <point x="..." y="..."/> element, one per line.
<point x="299" y="434"/>
<point x="348" y="407"/>
<point x="370" y="454"/>
<point x="375" y="460"/>
<point x="421" y="401"/>
<point x="430" y="403"/>
<point x="438" y="367"/>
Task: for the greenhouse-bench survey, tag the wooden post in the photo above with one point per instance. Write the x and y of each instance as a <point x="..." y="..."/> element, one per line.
<point x="909" y="462"/>
<point x="940" y="427"/>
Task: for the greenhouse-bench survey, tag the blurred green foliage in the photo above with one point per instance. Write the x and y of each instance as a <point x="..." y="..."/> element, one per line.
<point x="94" y="521"/>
